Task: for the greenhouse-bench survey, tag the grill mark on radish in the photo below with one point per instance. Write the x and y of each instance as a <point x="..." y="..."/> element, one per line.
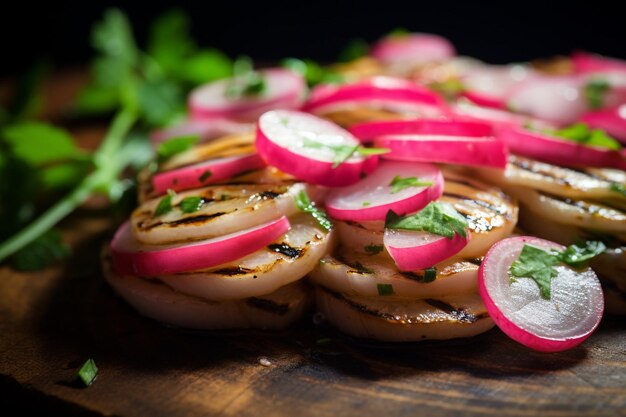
<point x="458" y="313"/>
<point x="268" y="195"/>
<point x="268" y="305"/>
<point x="587" y="207"/>
<point x="194" y="219"/>
<point x="286" y="250"/>
<point x="481" y="203"/>
<point x="233" y="271"/>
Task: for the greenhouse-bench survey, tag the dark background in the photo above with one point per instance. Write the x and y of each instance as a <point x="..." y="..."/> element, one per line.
<point x="496" y="32"/>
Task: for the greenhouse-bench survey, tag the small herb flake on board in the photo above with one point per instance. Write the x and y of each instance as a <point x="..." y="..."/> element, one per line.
<point x="385" y="289"/>
<point x="87" y="373"/>
<point x="373" y="249"/>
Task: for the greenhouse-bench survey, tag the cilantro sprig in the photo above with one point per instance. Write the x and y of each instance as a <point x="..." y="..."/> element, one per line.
<point x="437" y="218"/>
<point x="343" y="152"/>
<point x="580" y="132"/>
<point x="398" y="183"/>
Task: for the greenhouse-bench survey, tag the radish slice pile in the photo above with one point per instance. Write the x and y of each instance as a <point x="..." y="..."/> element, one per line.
<point x="284" y="90"/>
<point x="369" y="130"/>
<point x="412" y="48"/>
<point x="381" y="92"/>
<point x="310" y="148"/>
<point x="204" y="173"/>
<point x="419" y="250"/>
<point x="372" y="197"/>
<point x="562" y="322"/>
<point x="611" y="120"/>
<point x="133" y="258"/>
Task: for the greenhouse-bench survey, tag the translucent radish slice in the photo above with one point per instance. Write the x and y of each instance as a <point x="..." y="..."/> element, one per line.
<point x="497" y="118"/>
<point x="204" y="173"/>
<point x="371" y="198"/>
<point x="284" y="89"/>
<point x="133" y="258"/>
<point x="584" y="62"/>
<point x="310" y="148"/>
<point x="369" y="130"/>
<point x="420" y="250"/>
<point x="206" y="129"/>
<point x="413" y="48"/>
<point x="611" y="120"/>
<point x="489" y="85"/>
<point x="473" y="151"/>
<point x="564" y="321"/>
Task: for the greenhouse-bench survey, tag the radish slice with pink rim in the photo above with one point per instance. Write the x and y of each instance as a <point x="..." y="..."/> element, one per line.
<point x="369" y="130"/>
<point x="461" y="150"/>
<point x="303" y="145"/>
<point x="284" y="90"/>
<point x="204" y="173"/>
<point x="559" y="151"/>
<point x="585" y="62"/>
<point x="572" y="313"/>
<point x="389" y="93"/>
<point x="465" y="111"/>
<point x="611" y="120"/>
<point x="205" y="129"/>
<point x="419" y="250"/>
<point x="133" y="258"/>
<point x="489" y="85"/>
<point x="371" y="198"/>
<point x="413" y="48"/>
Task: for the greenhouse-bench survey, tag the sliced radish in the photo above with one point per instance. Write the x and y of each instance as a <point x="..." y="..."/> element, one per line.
<point x="419" y="250"/>
<point x="585" y="62"/>
<point x="464" y="110"/>
<point x="413" y="48"/>
<point x="559" y="151"/>
<point x="462" y="150"/>
<point x="134" y="258"/>
<point x="611" y="120"/>
<point x="489" y="85"/>
<point x="205" y="129"/>
<point x="564" y="321"/>
<point x="284" y="90"/>
<point x="383" y="92"/>
<point x="305" y="146"/>
<point x="372" y="197"/>
<point x="369" y="130"/>
<point x="204" y="173"/>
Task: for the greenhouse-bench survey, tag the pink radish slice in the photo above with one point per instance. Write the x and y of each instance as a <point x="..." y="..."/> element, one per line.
<point x="206" y="129"/>
<point x="204" y="173"/>
<point x="611" y="120"/>
<point x="465" y="111"/>
<point x="370" y="130"/>
<point x="284" y="89"/>
<point x="566" y="320"/>
<point x="301" y="144"/>
<point x="134" y="258"/>
<point x="461" y="150"/>
<point x="559" y="151"/>
<point x="386" y="92"/>
<point x="585" y="62"/>
<point x="413" y="48"/>
<point x="419" y="250"/>
<point x="371" y="198"/>
<point x="489" y="85"/>
<point x="485" y="100"/>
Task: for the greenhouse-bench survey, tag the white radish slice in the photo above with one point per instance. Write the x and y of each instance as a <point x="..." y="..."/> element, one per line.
<point x="287" y="259"/>
<point x="564" y="321"/>
<point x="369" y="130"/>
<point x="206" y="130"/>
<point x="157" y="301"/>
<point x="284" y="90"/>
<point x="489" y="85"/>
<point x="380" y="92"/>
<point x="304" y="146"/>
<point x="473" y="151"/>
<point x="414" y="48"/>
<point x="443" y="318"/>
<point x="224" y="209"/>
<point x="363" y="237"/>
<point x="497" y="118"/>
<point x="371" y="198"/>
<point x="612" y="120"/>
<point x="131" y="257"/>
<point x="361" y="274"/>
<point x="419" y="250"/>
<point x="204" y="173"/>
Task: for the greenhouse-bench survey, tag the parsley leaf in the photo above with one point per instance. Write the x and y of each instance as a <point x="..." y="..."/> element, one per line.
<point x="174" y="146"/>
<point x="384" y="289"/>
<point x="595" y="91"/>
<point x="343" y="152"/>
<point x="40" y="143"/>
<point x="437" y="218"/>
<point x="373" y="249"/>
<point x="618" y="188"/>
<point x="313" y="72"/>
<point x="165" y="205"/>
<point x="577" y="255"/>
<point x="246" y="81"/>
<point x="88" y="373"/>
<point x="430" y="274"/>
<point x="581" y="133"/>
<point x="304" y="203"/>
<point x="398" y="183"/>
<point x="191" y="204"/>
<point x="42" y="252"/>
<point x="536" y="264"/>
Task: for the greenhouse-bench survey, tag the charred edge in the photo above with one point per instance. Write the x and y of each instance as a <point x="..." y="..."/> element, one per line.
<point x="587" y="206"/>
<point x="413" y="276"/>
<point x="361" y="308"/>
<point x="268" y="305"/>
<point x="268" y="195"/>
<point x="232" y="271"/>
<point x="459" y="314"/>
<point x="359" y="268"/>
<point x="481" y="203"/>
<point x="285" y="249"/>
<point x="246" y="172"/>
<point x="475" y="261"/>
<point x="195" y="219"/>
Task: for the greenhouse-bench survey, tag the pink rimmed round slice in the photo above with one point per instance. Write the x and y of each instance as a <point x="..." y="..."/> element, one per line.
<point x="612" y="120"/>
<point x="497" y="118"/>
<point x="562" y="322"/>
<point x="489" y="85"/>
<point x="371" y="198"/>
<point x="367" y="131"/>
<point x="206" y="129"/>
<point x="419" y="250"/>
<point x="413" y="48"/>
<point x="585" y="62"/>
<point x="384" y="92"/>
<point x="133" y="258"/>
<point x="204" y="173"/>
<point x="461" y="150"/>
<point x="284" y="89"/>
<point x="311" y="149"/>
<point x="558" y="150"/>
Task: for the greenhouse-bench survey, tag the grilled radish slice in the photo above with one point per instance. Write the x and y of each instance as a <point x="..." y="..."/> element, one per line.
<point x="223" y="209"/>
<point x="157" y="301"/>
<point x="284" y="261"/>
<point x="405" y="321"/>
<point x="364" y="237"/>
<point x="372" y="275"/>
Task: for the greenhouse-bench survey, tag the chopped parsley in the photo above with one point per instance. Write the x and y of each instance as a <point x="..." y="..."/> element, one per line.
<point x="595" y="91"/>
<point x="362" y="269"/>
<point x="88" y="373"/>
<point x="205" y="176"/>
<point x="191" y="204"/>
<point x="373" y="249"/>
<point x="618" y="188"/>
<point x="366" y="204"/>
<point x="430" y="274"/>
<point x="174" y="146"/>
<point x="578" y="254"/>
<point x="165" y="205"/>
<point x="398" y="183"/>
<point x="384" y="289"/>
<point x="437" y="218"/>
<point x="580" y="132"/>
<point x="305" y="204"/>
<point x="343" y="152"/>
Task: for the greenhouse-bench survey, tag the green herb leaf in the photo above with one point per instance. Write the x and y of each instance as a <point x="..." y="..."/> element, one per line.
<point x="398" y="183"/>
<point x="373" y="249"/>
<point x="595" y="91"/>
<point x="618" y="188"/>
<point x="399" y="32"/>
<point x="205" y="176"/>
<point x="165" y="205"/>
<point x="175" y="146"/>
<point x="246" y="81"/>
<point x="437" y="218"/>
<point x="191" y="204"/>
<point x="385" y="289"/>
<point x="538" y="265"/>
<point x="305" y="204"/>
<point x="355" y="49"/>
<point x="160" y="102"/>
<point x="88" y="373"/>
<point x="343" y="152"/>
<point x="40" y="143"/>
<point x="430" y="274"/>
<point x="361" y="268"/>
<point x="313" y="72"/>
<point x="577" y="255"/>
<point x="366" y="204"/>
<point x="581" y="133"/>
<point x="44" y="251"/>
